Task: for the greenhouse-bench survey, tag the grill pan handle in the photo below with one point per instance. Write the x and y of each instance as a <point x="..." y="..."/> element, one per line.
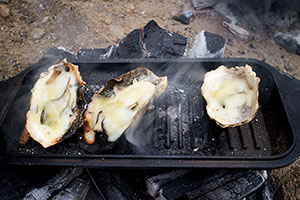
<point x="290" y="94"/>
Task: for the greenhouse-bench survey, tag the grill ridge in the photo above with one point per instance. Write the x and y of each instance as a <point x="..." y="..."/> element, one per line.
<point x="169" y="127"/>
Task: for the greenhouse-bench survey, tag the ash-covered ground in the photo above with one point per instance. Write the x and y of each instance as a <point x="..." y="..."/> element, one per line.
<point x="30" y="28"/>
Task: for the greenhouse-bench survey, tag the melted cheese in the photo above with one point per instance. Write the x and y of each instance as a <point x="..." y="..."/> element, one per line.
<point x="50" y="114"/>
<point x="229" y="97"/>
<point x="116" y="113"/>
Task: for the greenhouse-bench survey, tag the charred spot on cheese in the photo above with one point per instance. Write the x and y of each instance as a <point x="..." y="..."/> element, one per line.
<point x="231" y="95"/>
<point x="115" y="106"/>
<point x="56" y="106"/>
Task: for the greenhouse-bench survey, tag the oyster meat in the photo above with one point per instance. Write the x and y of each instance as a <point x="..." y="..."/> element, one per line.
<point x="116" y="105"/>
<point x="54" y="112"/>
<point x="231" y="95"/>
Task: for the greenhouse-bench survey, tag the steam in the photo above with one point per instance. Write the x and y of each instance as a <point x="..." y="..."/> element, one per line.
<point x="139" y="134"/>
<point x="168" y="119"/>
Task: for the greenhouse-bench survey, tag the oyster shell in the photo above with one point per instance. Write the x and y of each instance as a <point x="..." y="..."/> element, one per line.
<point x="231" y="95"/>
<point x="116" y="105"/>
<point x="55" y="112"/>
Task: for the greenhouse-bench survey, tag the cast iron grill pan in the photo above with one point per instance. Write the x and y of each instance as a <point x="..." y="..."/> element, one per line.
<point x="175" y="132"/>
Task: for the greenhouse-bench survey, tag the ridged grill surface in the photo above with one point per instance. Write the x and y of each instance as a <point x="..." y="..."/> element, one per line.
<point x="182" y="124"/>
<point x="176" y="124"/>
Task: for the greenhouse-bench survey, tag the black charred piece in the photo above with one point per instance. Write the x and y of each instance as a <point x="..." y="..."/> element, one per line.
<point x="182" y="18"/>
<point x="97" y="53"/>
<point x="132" y="46"/>
<point x="161" y="43"/>
<point x="207" y="184"/>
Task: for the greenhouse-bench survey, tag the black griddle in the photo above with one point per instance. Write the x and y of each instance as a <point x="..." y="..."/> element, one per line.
<point x="175" y="132"/>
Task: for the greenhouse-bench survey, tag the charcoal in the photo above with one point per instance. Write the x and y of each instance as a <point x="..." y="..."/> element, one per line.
<point x="161" y="43"/>
<point x="155" y="183"/>
<point x="92" y="54"/>
<point x="269" y="190"/>
<point x="16" y="181"/>
<point x="123" y="185"/>
<point x="207" y="45"/>
<point x="97" y="54"/>
<point x="76" y="190"/>
<point x="235" y="185"/>
<point x="156" y="42"/>
<point x="290" y="41"/>
<point x="182" y="18"/>
<point x="254" y="9"/>
<point x="214" y="42"/>
<point x="208" y="184"/>
<point x="177" y="189"/>
<point x="59" y="181"/>
<point x="231" y="22"/>
<point x="132" y="46"/>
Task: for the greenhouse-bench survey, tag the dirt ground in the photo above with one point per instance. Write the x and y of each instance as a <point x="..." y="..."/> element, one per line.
<point x="30" y="28"/>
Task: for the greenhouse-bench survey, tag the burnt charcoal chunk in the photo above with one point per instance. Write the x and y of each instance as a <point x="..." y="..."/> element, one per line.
<point x="207" y="45"/>
<point x="255" y="9"/>
<point x="269" y="189"/>
<point x="290" y="41"/>
<point x="96" y="54"/>
<point x="77" y="189"/>
<point x="214" y="42"/>
<point x="119" y="184"/>
<point x="182" y="18"/>
<point x="21" y="179"/>
<point x="132" y="46"/>
<point x="163" y="44"/>
<point x="211" y="184"/>
<point x="58" y="182"/>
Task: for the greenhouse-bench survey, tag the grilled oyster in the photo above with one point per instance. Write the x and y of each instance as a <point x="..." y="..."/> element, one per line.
<point x="55" y="110"/>
<point x="116" y="105"/>
<point x="231" y="95"/>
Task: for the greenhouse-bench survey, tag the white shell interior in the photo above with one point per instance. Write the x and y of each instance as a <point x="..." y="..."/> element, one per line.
<point x="231" y="94"/>
<point x="53" y="99"/>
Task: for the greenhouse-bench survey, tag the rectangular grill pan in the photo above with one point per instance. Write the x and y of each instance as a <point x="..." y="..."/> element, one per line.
<point x="175" y="132"/>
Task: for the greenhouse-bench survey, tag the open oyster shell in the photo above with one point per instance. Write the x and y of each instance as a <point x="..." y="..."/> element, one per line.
<point x="231" y="95"/>
<point x="56" y="105"/>
<point x="116" y="105"/>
